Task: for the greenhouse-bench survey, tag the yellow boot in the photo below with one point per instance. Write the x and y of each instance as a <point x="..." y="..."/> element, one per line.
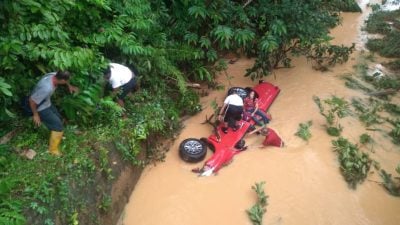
<point x="54" y="142"/>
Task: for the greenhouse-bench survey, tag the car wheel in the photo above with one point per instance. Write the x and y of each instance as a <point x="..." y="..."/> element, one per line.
<point x="240" y="144"/>
<point x="192" y="150"/>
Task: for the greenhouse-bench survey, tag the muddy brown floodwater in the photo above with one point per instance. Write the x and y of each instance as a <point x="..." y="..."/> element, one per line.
<point x="303" y="181"/>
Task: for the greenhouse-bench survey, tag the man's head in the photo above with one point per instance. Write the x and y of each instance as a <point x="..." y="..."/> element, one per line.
<point x="107" y="73"/>
<point x="63" y="77"/>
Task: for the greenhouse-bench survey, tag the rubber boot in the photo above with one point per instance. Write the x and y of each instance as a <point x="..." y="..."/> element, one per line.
<point x="54" y="142"/>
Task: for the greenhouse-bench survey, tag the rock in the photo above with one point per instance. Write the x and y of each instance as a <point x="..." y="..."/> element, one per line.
<point x="29" y="154"/>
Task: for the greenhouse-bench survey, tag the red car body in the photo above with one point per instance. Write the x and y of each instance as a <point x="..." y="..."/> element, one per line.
<point x="224" y="147"/>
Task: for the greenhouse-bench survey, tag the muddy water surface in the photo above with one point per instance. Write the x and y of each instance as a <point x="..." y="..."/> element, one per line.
<point x="303" y="181"/>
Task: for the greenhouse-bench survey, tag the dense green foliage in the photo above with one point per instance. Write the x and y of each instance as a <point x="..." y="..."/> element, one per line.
<point x="168" y="43"/>
<point x="354" y="164"/>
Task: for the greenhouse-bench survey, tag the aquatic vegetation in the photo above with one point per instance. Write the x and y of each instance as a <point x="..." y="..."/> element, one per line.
<point x="365" y="139"/>
<point x="354" y="164"/>
<point x="395" y="132"/>
<point x="393" y="65"/>
<point x="333" y="109"/>
<point x="257" y="211"/>
<point x="392" y="185"/>
<point x="354" y="83"/>
<point x="380" y="21"/>
<point x="368" y="114"/>
<point x="392" y="108"/>
<point x="304" y="130"/>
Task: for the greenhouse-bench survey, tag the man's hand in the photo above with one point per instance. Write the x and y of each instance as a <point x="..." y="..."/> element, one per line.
<point x="36" y="119"/>
<point x="72" y="89"/>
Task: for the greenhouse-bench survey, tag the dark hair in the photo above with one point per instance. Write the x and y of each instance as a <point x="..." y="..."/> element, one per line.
<point x="63" y="75"/>
<point x="107" y="72"/>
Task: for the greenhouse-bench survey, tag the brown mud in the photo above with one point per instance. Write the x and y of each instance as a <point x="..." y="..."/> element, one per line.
<point x="303" y="180"/>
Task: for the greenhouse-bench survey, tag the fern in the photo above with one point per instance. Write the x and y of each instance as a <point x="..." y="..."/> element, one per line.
<point x="223" y="35"/>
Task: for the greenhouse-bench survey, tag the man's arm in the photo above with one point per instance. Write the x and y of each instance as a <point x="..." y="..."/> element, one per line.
<point x="221" y="112"/>
<point x="35" y="117"/>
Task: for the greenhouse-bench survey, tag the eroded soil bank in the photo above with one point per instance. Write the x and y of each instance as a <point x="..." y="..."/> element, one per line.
<point x="303" y="181"/>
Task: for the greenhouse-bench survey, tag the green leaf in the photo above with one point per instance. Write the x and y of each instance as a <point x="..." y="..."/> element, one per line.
<point x="223" y="35"/>
<point x="268" y="43"/>
<point x="198" y="12"/>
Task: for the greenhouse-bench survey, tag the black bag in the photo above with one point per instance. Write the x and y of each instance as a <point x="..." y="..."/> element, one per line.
<point x="26" y="108"/>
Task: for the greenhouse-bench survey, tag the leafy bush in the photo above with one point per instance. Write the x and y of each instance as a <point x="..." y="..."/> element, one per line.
<point x="354" y="164"/>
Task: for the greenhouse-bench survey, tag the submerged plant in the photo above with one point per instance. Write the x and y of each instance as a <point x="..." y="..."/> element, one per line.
<point x="392" y="185"/>
<point x="354" y="83"/>
<point x="333" y="109"/>
<point x="392" y="108"/>
<point x="354" y="164"/>
<point x="365" y="139"/>
<point x="395" y="132"/>
<point x="257" y="211"/>
<point x="368" y="114"/>
<point x="303" y="132"/>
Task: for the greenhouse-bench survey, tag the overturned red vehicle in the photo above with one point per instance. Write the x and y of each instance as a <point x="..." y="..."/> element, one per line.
<point x="225" y="146"/>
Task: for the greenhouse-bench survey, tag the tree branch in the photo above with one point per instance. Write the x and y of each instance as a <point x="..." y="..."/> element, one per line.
<point x="248" y="2"/>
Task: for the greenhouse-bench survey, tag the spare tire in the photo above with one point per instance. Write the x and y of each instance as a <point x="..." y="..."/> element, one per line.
<point x="192" y="150"/>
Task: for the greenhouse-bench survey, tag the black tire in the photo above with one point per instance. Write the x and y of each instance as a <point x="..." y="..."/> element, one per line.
<point x="240" y="144"/>
<point x="192" y="150"/>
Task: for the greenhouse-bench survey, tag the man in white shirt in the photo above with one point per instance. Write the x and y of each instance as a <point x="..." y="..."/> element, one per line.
<point x="231" y="112"/>
<point x="121" y="79"/>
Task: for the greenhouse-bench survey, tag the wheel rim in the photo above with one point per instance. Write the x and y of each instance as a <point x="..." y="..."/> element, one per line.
<point x="193" y="147"/>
